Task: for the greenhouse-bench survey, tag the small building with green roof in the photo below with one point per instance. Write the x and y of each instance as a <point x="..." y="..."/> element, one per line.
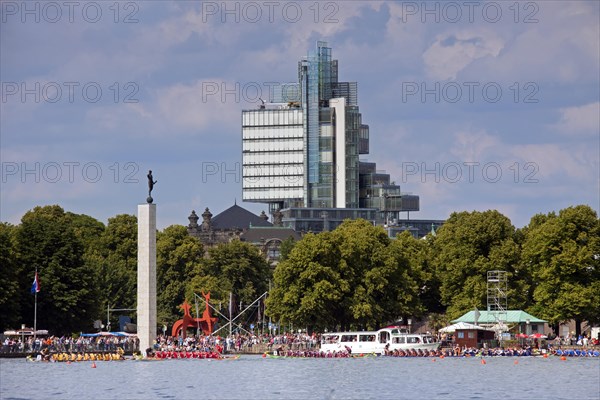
<point x="517" y="321"/>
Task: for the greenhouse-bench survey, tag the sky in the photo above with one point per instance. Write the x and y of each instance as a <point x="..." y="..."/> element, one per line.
<point x="471" y="105"/>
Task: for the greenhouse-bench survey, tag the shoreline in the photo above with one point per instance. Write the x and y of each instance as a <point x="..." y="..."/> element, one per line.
<point x="237" y="353"/>
<point x="127" y="353"/>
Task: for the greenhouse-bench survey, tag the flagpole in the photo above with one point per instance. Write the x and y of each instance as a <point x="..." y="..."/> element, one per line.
<point x="35" y="311"/>
<point x="230" y="311"/>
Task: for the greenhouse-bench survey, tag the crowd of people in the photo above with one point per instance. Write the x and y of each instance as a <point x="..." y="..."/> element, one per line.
<point x="236" y="343"/>
<point x="289" y="344"/>
<point x="573" y="340"/>
<point x="67" y="344"/>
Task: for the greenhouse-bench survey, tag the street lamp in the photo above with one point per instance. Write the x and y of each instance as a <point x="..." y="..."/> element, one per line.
<point x="409" y="324"/>
<point x="527" y="321"/>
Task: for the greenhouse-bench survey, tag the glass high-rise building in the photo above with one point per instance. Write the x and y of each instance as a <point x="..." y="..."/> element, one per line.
<point x="300" y="153"/>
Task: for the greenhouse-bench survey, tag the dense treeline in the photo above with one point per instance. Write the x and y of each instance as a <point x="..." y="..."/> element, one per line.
<point x="86" y="267"/>
<point x="355" y="277"/>
<point x="352" y="278"/>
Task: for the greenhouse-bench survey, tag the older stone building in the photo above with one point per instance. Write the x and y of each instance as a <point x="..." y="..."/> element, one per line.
<point x="269" y="240"/>
<point x="224" y="227"/>
<point x="239" y="223"/>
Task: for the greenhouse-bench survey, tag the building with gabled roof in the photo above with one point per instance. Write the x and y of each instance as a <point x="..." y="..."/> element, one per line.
<point x="238" y="218"/>
<point x="237" y="223"/>
<point x="225" y="226"/>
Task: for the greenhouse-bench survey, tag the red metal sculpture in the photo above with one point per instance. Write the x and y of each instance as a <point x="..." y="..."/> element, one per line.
<point x="206" y="323"/>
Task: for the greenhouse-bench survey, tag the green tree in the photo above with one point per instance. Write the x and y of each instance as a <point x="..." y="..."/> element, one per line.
<point x="235" y="267"/>
<point x="87" y="229"/>
<point x="437" y="321"/>
<point x="354" y="276"/>
<point x="90" y="231"/>
<point x="466" y="247"/>
<point x="117" y="256"/>
<point x="177" y="254"/>
<point x="11" y="283"/>
<point x="387" y="273"/>
<point x="309" y="288"/>
<point x="414" y="284"/>
<point x="47" y="241"/>
<point x="286" y="247"/>
<point x="430" y="285"/>
<point x="562" y="253"/>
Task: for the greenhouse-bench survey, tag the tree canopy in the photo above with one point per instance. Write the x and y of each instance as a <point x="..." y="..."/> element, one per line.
<point x="562" y="254"/>
<point x="236" y="267"/>
<point x="48" y="242"/>
<point x="177" y="255"/>
<point x="12" y="284"/>
<point x="116" y="259"/>
<point x="354" y="277"/>
<point x="466" y="247"/>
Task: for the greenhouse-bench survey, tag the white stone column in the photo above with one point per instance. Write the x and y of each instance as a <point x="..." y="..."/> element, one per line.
<point x="146" y="278"/>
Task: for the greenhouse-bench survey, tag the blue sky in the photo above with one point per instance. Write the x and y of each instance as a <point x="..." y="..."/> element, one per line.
<point x="471" y="105"/>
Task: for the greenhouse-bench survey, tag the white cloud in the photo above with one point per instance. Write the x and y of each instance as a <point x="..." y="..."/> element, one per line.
<point x="179" y="109"/>
<point x="453" y="51"/>
<point x="173" y="49"/>
<point x="555" y="161"/>
<point x="562" y="47"/>
<point x="582" y="120"/>
<point x="193" y="106"/>
<point x="474" y="146"/>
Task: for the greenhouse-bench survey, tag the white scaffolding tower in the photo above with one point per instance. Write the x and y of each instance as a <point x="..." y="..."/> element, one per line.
<point x="497" y="302"/>
<point x="231" y="320"/>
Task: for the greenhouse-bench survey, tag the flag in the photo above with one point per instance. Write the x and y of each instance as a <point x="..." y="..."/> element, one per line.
<point x="35" y="287"/>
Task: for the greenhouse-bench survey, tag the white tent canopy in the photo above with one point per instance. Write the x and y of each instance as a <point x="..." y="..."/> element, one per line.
<point x="25" y="332"/>
<point x="461" y="325"/>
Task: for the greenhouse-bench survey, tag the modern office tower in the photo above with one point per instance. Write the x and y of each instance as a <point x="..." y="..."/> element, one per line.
<point x="300" y="153"/>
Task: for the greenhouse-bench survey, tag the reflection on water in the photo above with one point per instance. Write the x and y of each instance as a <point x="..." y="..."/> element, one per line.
<point x="253" y="377"/>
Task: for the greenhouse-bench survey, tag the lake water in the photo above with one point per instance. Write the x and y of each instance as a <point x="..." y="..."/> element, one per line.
<point x="254" y="377"/>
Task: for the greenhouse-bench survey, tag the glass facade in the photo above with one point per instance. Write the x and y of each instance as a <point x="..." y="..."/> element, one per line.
<point x="324" y="219"/>
<point x="301" y="150"/>
<point x="285" y="93"/>
<point x="333" y="145"/>
<point x="417" y="228"/>
<point x="272" y="154"/>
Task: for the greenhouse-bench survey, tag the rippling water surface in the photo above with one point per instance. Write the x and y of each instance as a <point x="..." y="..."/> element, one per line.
<point x="254" y="377"/>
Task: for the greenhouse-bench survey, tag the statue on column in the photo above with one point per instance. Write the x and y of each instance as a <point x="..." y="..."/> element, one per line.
<point x="151" y="183"/>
